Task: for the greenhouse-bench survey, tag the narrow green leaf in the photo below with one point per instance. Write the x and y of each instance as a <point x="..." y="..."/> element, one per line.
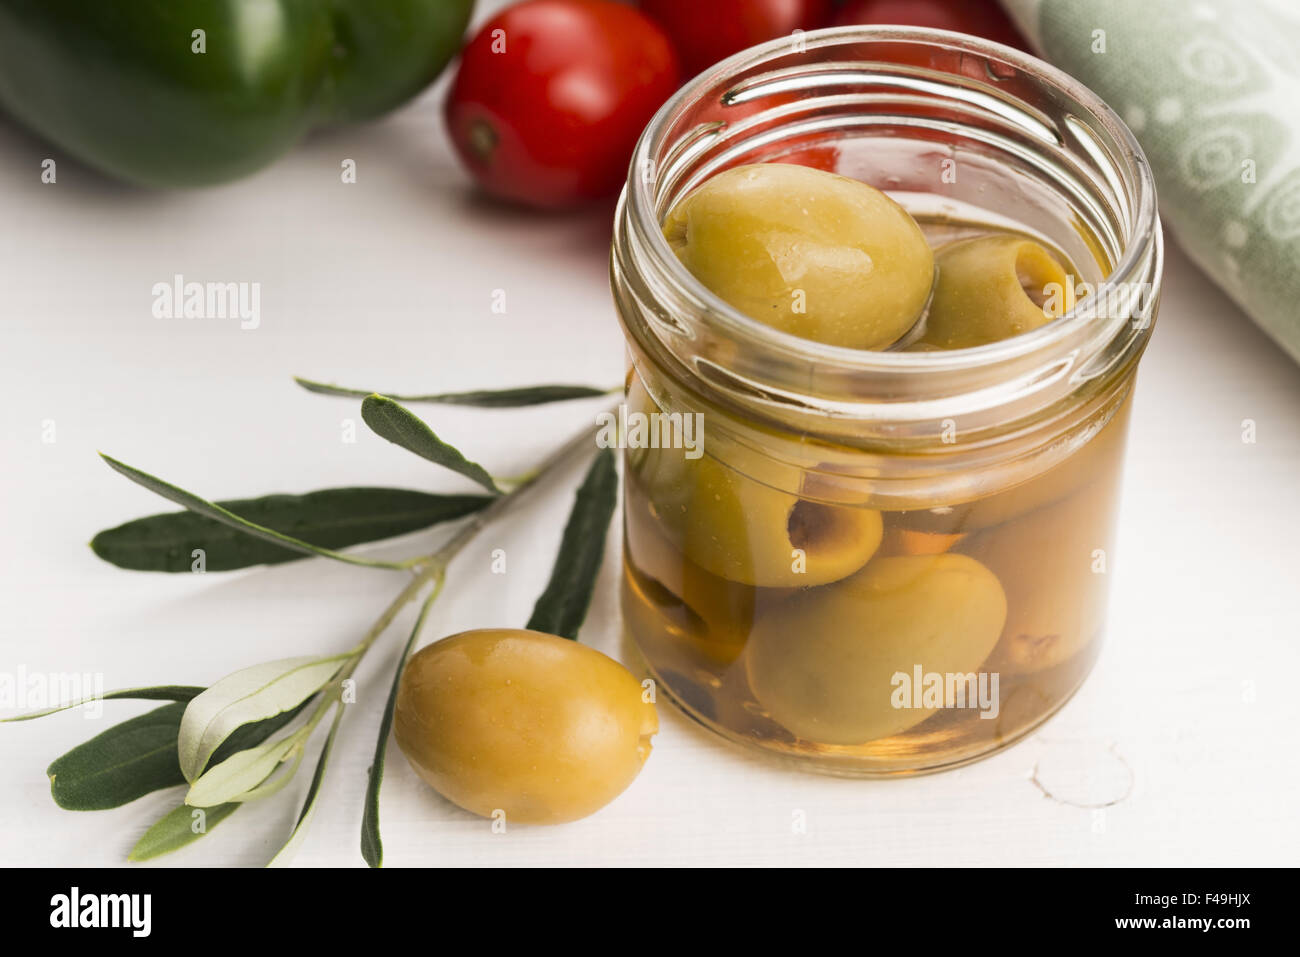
<point x="139" y="756"/>
<point x="283" y="856"/>
<point x="251" y="694"/>
<point x="175" y="829"/>
<point x="272" y="783"/>
<point x="330" y="518"/>
<point x="127" y="761"/>
<point x="242" y="773"/>
<point x="253" y="734"/>
<point x="219" y="514"/>
<point x="563" y="605"/>
<point x="483" y="399"/>
<point x="157" y="693"/>
<point x="372" y="846"/>
<point x="403" y="427"/>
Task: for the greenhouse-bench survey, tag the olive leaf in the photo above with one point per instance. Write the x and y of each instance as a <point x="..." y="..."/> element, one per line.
<point x="251" y="735"/>
<point x="268" y="786"/>
<point x="222" y="515"/>
<point x="219" y="740"/>
<point x="139" y="756"/>
<point x="563" y="605"/>
<point x="249" y="695"/>
<point x="126" y="762"/>
<point x="372" y="846"/>
<point x="313" y="792"/>
<point x="403" y="427"/>
<point x="241" y="776"/>
<point x="175" y="830"/>
<point x="330" y="518"/>
<point x="482" y="398"/>
<point x="156" y="693"/>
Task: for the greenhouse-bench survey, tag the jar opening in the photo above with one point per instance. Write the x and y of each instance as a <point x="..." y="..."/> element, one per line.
<point x="948" y="125"/>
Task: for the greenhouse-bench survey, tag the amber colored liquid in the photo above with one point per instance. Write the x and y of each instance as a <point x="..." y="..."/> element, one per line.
<point x="1048" y="540"/>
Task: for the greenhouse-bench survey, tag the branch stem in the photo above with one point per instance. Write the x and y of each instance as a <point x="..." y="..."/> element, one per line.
<point x="433" y="567"/>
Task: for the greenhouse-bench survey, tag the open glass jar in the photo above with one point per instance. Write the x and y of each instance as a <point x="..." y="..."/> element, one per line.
<point x="896" y="561"/>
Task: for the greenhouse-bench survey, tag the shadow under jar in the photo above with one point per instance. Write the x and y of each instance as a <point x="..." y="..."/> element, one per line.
<point x="882" y="562"/>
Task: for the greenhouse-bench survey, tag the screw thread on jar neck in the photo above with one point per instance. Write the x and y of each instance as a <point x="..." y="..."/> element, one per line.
<point x="1023" y="137"/>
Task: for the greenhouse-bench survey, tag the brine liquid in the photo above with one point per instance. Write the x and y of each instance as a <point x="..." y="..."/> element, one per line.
<point x="1048" y="539"/>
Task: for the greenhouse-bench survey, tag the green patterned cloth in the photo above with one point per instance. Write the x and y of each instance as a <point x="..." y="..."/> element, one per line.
<point x="1211" y="88"/>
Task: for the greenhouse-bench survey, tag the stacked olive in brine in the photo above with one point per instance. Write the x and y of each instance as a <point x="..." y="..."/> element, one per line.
<point x="787" y="620"/>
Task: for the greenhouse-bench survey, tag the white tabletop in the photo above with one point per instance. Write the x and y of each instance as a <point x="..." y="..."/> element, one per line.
<point x="1185" y="729"/>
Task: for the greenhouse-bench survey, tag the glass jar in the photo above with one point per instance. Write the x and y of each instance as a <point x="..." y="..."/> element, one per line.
<point x="881" y="562"/>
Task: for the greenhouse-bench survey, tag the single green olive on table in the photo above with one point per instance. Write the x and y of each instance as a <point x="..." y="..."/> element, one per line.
<point x="523" y="724"/>
<point x="243" y="738"/>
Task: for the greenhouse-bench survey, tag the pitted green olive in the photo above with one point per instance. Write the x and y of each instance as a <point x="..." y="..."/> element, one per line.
<point x="823" y="663"/>
<point x="1099" y="448"/>
<point x="535" y="726"/>
<point x="1052" y="563"/>
<point x="817" y="255"/>
<point x="992" y="288"/>
<point x="710" y="615"/>
<point x="747" y="532"/>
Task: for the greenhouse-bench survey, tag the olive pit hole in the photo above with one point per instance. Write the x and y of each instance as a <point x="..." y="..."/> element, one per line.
<point x="811" y="526"/>
<point x="1033" y="274"/>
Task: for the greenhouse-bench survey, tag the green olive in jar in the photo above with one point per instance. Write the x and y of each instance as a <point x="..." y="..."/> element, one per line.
<point x="992" y="288"/>
<point x="1052" y="563"/>
<point x="1094" y="452"/>
<point x="741" y="530"/>
<point x="538" y="727"/>
<point x="817" y="255"/>
<point x="823" y="664"/>
<point x="709" y="616"/>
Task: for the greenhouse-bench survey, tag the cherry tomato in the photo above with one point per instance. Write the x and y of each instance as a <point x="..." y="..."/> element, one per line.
<point x="706" y="31"/>
<point x="981" y="18"/>
<point x="551" y="95"/>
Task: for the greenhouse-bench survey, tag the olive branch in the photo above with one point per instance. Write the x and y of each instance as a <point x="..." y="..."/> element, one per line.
<point x="245" y="737"/>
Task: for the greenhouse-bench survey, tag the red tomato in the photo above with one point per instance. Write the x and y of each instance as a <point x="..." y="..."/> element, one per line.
<point x="706" y="31"/>
<point x="551" y="95"/>
<point x="981" y="18"/>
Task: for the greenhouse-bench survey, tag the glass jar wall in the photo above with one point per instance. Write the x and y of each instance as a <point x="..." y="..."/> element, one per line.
<point x="894" y="561"/>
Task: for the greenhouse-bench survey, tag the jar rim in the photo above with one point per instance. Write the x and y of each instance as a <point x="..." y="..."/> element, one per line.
<point x="638" y="207"/>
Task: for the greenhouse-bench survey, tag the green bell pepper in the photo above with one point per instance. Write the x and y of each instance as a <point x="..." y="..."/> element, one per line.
<point x="191" y="92"/>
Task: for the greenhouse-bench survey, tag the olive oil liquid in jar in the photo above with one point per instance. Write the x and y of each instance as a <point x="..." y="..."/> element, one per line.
<point x="882" y="562"/>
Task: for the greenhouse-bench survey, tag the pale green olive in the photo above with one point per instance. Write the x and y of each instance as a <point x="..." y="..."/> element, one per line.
<point x="823" y="663"/>
<point x="1097" y="460"/>
<point x="668" y="593"/>
<point x="992" y="288"/>
<point x="534" y="726"/>
<point x="817" y="255"/>
<point x="741" y="530"/>
<point x="1052" y="564"/>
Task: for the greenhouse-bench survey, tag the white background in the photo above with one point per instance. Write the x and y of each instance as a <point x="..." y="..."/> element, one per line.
<point x="1187" y="728"/>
